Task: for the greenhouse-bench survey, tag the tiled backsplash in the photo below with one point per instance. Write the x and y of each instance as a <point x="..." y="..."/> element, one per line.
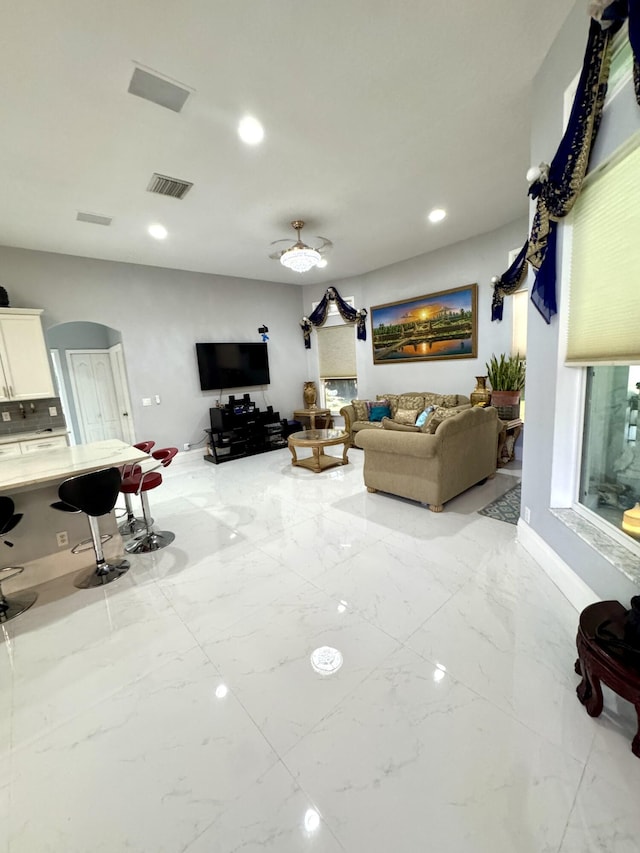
<point x="31" y="415"/>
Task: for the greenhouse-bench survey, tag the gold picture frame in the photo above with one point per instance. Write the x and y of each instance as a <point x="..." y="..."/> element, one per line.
<point x="433" y="327"/>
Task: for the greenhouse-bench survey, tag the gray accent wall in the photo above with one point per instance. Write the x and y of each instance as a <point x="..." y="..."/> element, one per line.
<point x="543" y="372"/>
<point x="472" y="261"/>
<point x="161" y="314"/>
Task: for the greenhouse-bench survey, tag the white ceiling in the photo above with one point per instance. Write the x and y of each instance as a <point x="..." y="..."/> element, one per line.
<point x="375" y="111"/>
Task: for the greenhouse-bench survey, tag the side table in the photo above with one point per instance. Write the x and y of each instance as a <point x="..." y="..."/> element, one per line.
<point x="595" y="664"/>
<point x="507" y="440"/>
<point x="310" y="415"/>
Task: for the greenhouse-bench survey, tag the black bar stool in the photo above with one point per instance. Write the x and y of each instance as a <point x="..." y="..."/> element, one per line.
<point x="95" y="494"/>
<point x="140" y="484"/>
<point x="13" y="605"/>
<point x="132" y="524"/>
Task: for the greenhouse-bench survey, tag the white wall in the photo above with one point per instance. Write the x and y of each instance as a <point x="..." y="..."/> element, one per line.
<point x="546" y="379"/>
<point x="475" y="260"/>
<point x="162" y="314"/>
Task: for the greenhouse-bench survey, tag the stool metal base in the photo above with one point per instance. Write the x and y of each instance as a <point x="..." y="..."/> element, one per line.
<point x="102" y="575"/>
<point x="16" y="604"/>
<point x="132" y="525"/>
<point x="151" y="541"/>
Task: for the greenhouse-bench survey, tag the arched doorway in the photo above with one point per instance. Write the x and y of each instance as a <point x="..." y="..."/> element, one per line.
<point x="89" y="366"/>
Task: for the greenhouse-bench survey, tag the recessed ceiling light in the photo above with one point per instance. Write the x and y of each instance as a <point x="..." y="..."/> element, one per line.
<point x="158" y="231"/>
<point x="251" y="131"/>
<point x="437" y="215"/>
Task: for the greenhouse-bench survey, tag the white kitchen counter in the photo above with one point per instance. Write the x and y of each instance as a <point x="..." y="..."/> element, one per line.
<point x="33" y="435"/>
<point x="61" y="462"/>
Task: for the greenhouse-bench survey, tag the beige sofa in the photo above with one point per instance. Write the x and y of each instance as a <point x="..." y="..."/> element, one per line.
<point x="434" y="468"/>
<point x="355" y="418"/>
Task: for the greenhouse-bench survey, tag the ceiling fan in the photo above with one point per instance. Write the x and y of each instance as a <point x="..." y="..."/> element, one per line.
<point x="300" y="257"/>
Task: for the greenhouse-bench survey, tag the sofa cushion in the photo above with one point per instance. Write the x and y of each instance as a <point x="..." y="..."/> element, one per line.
<point x="388" y="423"/>
<point x="411" y="401"/>
<point x="406" y="416"/>
<point x="449" y="401"/>
<point x="356" y="426"/>
<point x="360" y="407"/>
<point x="431" y="399"/>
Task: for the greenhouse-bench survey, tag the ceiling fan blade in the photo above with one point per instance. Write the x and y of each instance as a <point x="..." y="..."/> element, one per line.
<point x="323" y="245"/>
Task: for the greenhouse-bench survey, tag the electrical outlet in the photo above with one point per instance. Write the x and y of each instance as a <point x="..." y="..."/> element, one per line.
<point x="527" y="514"/>
<point x="62" y="539"/>
<point x="6" y="416"/>
<point x="146" y="401"/>
<point x="186" y="446"/>
<point x="53" y="411"/>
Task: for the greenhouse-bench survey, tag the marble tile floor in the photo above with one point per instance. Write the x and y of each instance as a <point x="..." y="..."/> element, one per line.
<point x="178" y="710"/>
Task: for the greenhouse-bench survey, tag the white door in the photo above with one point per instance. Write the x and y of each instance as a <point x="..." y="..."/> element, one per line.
<point x="95" y="395"/>
<point x="116" y="353"/>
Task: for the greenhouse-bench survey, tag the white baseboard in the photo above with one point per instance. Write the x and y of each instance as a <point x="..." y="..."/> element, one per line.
<point x="574" y="589"/>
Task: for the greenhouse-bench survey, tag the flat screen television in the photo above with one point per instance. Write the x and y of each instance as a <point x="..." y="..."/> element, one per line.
<point x="232" y="365"/>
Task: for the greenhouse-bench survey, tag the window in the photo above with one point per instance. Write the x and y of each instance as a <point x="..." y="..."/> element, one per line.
<point x="604" y="310"/>
<point x="610" y="475"/>
<point x="337" y="361"/>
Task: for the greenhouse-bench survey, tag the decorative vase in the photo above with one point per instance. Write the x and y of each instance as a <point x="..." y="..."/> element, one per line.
<point x="310" y="395"/>
<point x="480" y="393"/>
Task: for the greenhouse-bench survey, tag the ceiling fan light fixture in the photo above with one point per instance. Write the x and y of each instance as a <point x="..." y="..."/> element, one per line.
<point x="300" y="258"/>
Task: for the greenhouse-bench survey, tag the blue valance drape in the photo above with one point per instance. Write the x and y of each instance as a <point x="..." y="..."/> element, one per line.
<point x="509" y="282"/>
<point x="346" y="311"/>
<point x="557" y="188"/>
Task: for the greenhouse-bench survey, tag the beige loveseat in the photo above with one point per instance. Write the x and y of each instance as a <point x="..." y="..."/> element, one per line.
<point x="434" y="468"/>
<point x="356" y="419"/>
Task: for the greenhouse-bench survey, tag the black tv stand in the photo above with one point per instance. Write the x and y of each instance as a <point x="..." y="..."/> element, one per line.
<point x="240" y="429"/>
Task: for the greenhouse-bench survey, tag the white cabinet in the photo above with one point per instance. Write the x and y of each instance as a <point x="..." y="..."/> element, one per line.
<point x="9" y="450"/>
<point x="43" y="444"/>
<point x="32" y="445"/>
<point x="24" y="365"/>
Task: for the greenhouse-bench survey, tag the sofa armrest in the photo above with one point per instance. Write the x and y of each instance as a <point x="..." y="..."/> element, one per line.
<point x="416" y="444"/>
<point x="349" y="415"/>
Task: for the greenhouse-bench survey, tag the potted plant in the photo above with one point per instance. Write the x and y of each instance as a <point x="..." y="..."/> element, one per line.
<point x="506" y="376"/>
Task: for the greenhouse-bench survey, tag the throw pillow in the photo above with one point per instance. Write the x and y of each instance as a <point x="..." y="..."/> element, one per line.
<point x="422" y="417"/>
<point x="406" y="416"/>
<point x="361" y="410"/>
<point x="438" y="415"/>
<point x="387" y="423"/>
<point x="392" y="400"/>
<point x="449" y="401"/>
<point x="377" y="413"/>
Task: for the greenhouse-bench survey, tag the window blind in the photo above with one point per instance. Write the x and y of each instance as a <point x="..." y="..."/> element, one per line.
<point x="604" y="298"/>
<point x="337" y="351"/>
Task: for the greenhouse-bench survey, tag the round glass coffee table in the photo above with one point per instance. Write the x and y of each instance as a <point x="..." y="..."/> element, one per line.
<point x="317" y="440"/>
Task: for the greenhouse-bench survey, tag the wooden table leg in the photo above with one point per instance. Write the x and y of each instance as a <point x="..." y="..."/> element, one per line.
<point x="294" y="458"/>
<point x="345" y="450"/>
<point x="316" y="456"/>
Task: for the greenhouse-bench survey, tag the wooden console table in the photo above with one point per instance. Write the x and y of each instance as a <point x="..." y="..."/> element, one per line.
<point x="596" y="663"/>
<point x="507" y="440"/>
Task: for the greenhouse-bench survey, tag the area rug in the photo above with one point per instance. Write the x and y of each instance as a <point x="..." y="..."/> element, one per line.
<point x="506" y="507"/>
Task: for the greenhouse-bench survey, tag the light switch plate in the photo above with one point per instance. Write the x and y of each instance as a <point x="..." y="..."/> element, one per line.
<point x="146" y="401"/>
<point x="53" y="411"/>
<point x="6" y="416"/>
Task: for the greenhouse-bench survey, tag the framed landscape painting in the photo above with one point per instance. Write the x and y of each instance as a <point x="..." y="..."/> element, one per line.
<point x="435" y="326"/>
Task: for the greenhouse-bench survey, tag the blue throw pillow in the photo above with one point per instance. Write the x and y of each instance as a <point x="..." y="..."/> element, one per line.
<point x="422" y="417"/>
<point x="377" y="413"/>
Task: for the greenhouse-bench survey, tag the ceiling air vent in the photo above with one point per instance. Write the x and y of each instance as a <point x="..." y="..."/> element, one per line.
<point x="94" y="218"/>
<point x="164" y="185"/>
